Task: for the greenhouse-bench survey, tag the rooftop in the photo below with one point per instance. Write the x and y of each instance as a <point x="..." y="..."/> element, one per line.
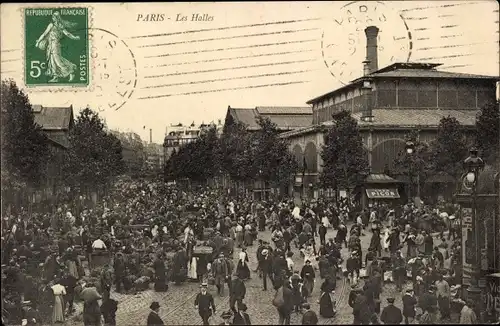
<point x="397" y="119"/>
<point x="286" y="118"/>
<point x="416" y="117"/>
<point x="53" y="118"/>
<point x="408" y="70"/>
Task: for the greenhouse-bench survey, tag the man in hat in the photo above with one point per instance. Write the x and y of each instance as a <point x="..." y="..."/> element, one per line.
<point x="226" y="316"/>
<point x="153" y="317"/>
<point x="391" y="314"/>
<point x="220" y="272"/>
<point x="241" y="317"/>
<point x="205" y="303"/>
<point x="409" y="303"/>
<point x="266" y="268"/>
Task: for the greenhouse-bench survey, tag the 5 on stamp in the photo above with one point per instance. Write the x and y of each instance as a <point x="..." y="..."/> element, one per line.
<point x="56" y="46"/>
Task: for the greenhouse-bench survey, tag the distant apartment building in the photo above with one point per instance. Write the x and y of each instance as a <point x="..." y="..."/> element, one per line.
<point x="179" y="135"/>
<point x="154" y="156"/>
<point x="132" y="151"/>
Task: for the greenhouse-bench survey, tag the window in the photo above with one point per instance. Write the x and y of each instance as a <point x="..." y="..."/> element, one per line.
<point x="427" y="94"/>
<point x="386" y="98"/>
<point x="407" y="94"/>
<point x="447" y="95"/>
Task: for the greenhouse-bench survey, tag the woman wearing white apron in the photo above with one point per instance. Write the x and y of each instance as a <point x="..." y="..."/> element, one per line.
<point x="193" y="267"/>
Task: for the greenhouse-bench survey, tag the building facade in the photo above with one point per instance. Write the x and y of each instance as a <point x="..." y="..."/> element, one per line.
<point x="133" y="152"/>
<point x="179" y="135"/>
<point x="388" y="103"/>
<point x="154" y="156"/>
<point x="56" y="123"/>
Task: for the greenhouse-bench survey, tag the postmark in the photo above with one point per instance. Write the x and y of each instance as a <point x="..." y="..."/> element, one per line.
<point x="56" y="46"/>
<point x="343" y="40"/>
<point x="115" y="69"/>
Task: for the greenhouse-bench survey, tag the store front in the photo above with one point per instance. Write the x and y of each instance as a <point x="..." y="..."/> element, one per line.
<point x="380" y="189"/>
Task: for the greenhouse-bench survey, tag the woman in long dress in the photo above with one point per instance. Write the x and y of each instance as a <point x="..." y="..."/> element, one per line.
<point x="326" y="302"/>
<point x="242" y="269"/>
<point x="50" y="40"/>
<point x="193" y="269"/>
<point x="58" y="310"/>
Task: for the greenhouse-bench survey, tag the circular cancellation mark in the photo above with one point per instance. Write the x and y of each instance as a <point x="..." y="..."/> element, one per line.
<point x="343" y="40"/>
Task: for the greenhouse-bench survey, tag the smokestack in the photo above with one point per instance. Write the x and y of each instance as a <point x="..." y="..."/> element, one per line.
<point x="150" y="136"/>
<point x="366" y="67"/>
<point x="371" y="48"/>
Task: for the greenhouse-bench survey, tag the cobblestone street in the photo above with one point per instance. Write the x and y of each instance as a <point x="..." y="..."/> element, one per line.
<point x="177" y="304"/>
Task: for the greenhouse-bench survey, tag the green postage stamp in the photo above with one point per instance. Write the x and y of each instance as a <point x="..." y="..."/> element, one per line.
<point x="56" y="46"/>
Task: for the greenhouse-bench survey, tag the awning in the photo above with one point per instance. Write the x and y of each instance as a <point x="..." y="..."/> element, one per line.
<point x="390" y="193"/>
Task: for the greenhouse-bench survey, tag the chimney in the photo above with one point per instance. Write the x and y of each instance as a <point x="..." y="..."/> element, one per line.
<point x="371" y="49"/>
<point x="150" y="136"/>
<point x="366" y="67"/>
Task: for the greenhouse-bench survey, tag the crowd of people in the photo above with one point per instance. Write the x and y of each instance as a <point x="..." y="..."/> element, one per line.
<point x="147" y="232"/>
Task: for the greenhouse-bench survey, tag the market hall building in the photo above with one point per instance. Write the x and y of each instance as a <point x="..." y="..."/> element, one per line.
<point x="388" y="103"/>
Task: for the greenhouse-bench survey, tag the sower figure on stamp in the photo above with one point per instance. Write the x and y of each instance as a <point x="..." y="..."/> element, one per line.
<point x="50" y="40"/>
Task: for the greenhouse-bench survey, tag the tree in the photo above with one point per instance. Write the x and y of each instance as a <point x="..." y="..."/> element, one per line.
<point x="197" y="160"/>
<point x="235" y="154"/>
<point x="449" y="149"/>
<point x="24" y="145"/>
<point x="272" y="160"/>
<point x="488" y="132"/>
<point x="345" y="161"/>
<point x="416" y="165"/>
<point x="95" y="156"/>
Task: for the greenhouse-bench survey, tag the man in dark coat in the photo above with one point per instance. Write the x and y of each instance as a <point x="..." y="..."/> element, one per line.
<point x="391" y="314"/>
<point x="205" y="303"/>
<point x="160" y="277"/>
<point x="362" y="311"/>
<point x="69" y="282"/>
<point x="266" y="268"/>
<point x="237" y="293"/>
<point x="322" y="234"/>
<point x="119" y="268"/>
<point x="286" y="309"/>
<point x="153" y="317"/>
<point x="108" y="310"/>
<point x="409" y="302"/>
<point x="309" y="317"/>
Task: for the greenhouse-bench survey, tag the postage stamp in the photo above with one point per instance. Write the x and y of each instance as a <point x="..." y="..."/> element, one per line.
<point x="56" y="45"/>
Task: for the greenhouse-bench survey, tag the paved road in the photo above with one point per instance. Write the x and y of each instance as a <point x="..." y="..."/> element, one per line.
<point x="177" y="304"/>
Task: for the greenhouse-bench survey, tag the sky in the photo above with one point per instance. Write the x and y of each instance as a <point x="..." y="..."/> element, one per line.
<point x="147" y="73"/>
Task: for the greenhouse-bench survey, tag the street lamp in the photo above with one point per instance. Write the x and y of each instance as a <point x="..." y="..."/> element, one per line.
<point x="410" y="149"/>
<point x="473" y="165"/>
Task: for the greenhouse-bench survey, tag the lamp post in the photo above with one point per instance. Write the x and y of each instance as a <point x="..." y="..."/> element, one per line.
<point x="410" y="149"/>
<point x="473" y="165"/>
